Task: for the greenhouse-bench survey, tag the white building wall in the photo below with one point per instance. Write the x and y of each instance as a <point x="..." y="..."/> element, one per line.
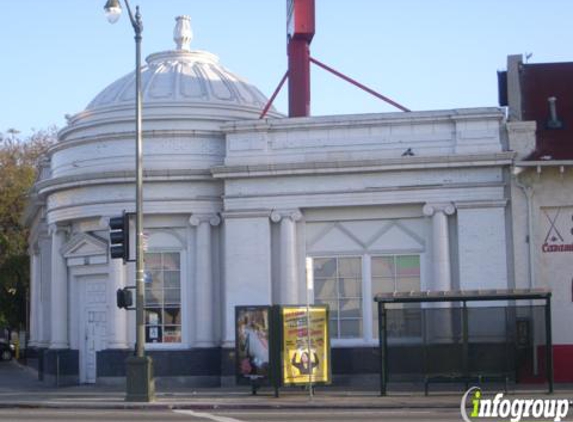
<point x="247" y="266"/>
<point x="482" y="246"/>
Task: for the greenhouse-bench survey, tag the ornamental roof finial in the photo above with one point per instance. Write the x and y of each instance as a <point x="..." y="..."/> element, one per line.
<point x="182" y="34"/>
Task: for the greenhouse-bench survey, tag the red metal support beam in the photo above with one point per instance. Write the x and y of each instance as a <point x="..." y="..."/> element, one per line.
<point x="270" y="101"/>
<point x="299" y="78"/>
<point x="358" y="84"/>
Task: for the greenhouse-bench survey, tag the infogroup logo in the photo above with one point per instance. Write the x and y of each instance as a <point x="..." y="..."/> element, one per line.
<point x="511" y="409"/>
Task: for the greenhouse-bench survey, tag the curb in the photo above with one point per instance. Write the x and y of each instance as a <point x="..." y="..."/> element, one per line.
<point x="220" y="406"/>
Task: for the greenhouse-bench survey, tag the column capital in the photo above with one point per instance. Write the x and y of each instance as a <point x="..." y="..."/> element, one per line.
<point x="55" y="228"/>
<point x="212" y="219"/>
<point x="433" y="208"/>
<point x="103" y="222"/>
<point x="294" y="215"/>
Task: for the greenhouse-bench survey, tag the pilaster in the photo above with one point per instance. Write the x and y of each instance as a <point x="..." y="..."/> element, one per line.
<point x="59" y="290"/>
<point x="442" y="280"/>
<point x="288" y="269"/>
<point x="204" y="281"/>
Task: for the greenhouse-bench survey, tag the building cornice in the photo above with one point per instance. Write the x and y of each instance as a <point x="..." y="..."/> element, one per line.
<point x="117" y="177"/>
<point x="363" y="166"/>
<point x="363" y="120"/>
<point x="150" y="135"/>
<point x="544" y="163"/>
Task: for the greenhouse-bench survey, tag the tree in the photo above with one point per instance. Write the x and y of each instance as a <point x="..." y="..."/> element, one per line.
<point x="19" y="159"/>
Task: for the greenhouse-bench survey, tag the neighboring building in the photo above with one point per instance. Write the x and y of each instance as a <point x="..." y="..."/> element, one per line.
<point x="540" y="128"/>
<point x="233" y="206"/>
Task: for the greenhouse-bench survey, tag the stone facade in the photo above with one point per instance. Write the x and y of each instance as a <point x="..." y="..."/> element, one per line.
<point x="233" y="207"/>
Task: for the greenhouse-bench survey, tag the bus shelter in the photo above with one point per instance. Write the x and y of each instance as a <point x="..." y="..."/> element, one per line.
<point x="465" y="336"/>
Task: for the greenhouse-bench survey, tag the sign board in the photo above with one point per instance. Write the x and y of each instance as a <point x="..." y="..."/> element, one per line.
<point x="305" y="355"/>
<point x="252" y="342"/>
<point x="557" y="228"/>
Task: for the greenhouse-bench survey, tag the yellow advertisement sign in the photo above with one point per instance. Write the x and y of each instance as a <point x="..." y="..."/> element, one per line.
<point x="306" y="355"/>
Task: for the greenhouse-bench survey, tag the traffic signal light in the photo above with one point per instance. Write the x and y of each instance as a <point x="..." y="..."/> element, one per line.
<point x="119" y="237"/>
<point x="124" y="298"/>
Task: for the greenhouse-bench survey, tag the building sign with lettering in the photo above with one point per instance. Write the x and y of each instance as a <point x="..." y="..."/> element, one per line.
<point x="557" y="226"/>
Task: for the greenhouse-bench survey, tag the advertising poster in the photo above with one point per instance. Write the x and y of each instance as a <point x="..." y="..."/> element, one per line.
<point x="305" y="362"/>
<point x="252" y="342"/>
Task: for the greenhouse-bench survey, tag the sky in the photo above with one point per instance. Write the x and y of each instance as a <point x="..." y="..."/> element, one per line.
<point x="425" y="54"/>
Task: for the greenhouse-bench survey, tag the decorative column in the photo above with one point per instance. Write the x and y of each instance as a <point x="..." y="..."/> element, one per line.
<point x="204" y="289"/>
<point x="117" y="338"/>
<point x="442" y="279"/>
<point x="34" y="295"/>
<point x="288" y="290"/>
<point x="59" y="290"/>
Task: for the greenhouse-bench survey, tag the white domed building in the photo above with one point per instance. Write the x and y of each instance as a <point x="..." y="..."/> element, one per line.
<point x="233" y="205"/>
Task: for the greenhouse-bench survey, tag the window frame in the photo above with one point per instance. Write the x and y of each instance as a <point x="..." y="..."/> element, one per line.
<point x="182" y="302"/>
<point x="395" y="278"/>
<point x="368" y="304"/>
<point x="361" y="299"/>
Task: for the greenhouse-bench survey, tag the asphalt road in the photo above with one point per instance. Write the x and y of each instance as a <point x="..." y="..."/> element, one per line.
<point x="278" y="415"/>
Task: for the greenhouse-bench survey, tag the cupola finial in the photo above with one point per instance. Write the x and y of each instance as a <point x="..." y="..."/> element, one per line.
<point x="182" y="34"/>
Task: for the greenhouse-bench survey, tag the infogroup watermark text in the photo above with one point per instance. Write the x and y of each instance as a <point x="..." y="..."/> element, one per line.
<point x="511" y="409"/>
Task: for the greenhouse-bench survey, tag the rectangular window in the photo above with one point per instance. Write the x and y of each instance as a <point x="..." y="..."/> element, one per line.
<point x="397" y="273"/>
<point x="163" y="297"/>
<point x="338" y="284"/>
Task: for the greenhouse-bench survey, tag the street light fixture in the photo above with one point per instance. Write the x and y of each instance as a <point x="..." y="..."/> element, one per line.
<point x="112" y="11"/>
<point x="140" y="384"/>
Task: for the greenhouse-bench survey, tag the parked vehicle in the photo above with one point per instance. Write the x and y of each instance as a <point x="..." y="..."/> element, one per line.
<point x="6" y="350"/>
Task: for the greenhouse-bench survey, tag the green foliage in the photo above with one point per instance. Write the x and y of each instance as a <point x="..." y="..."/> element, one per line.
<point x="19" y="159"/>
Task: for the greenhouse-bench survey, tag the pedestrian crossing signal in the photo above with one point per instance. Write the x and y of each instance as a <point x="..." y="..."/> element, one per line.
<point x="124" y="298"/>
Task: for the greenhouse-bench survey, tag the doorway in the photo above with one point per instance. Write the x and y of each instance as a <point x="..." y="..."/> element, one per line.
<point x="93" y="326"/>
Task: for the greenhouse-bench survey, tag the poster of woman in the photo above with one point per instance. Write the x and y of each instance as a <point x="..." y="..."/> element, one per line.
<point x="252" y="341"/>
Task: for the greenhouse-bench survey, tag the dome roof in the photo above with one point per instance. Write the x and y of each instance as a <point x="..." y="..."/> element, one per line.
<point x="183" y="77"/>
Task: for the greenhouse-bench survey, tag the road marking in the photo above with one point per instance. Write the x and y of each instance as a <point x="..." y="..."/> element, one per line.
<point x="310" y="412"/>
<point x="328" y="412"/>
<point x="206" y="416"/>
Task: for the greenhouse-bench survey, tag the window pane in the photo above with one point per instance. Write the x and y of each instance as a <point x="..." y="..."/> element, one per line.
<point x="153" y="334"/>
<point x="383" y="266"/>
<point x="332" y="307"/>
<point x="404" y="277"/>
<point x="153" y="316"/>
<point x="153" y="261"/>
<point x="173" y="316"/>
<point x="350" y="328"/>
<point x="333" y="328"/>
<point x="382" y="285"/>
<point x="172" y="334"/>
<point x="172" y="296"/>
<point x="350" y="308"/>
<point x="350" y="287"/>
<point x="153" y="297"/>
<point x="408" y="285"/>
<point x="324" y="267"/>
<point x="156" y="280"/>
<point x="325" y="288"/>
<point x="408" y="266"/>
<point x="171" y="279"/>
<point x="350" y="267"/>
<point x="171" y="261"/>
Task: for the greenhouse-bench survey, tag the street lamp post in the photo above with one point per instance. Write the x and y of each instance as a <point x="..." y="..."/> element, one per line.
<point x="140" y="384"/>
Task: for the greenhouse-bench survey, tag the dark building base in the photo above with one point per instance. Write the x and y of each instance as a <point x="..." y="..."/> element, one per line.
<point x="214" y="367"/>
<point x="55" y="367"/>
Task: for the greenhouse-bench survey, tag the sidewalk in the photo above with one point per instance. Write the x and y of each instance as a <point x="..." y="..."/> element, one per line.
<point x="19" y="388"/>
